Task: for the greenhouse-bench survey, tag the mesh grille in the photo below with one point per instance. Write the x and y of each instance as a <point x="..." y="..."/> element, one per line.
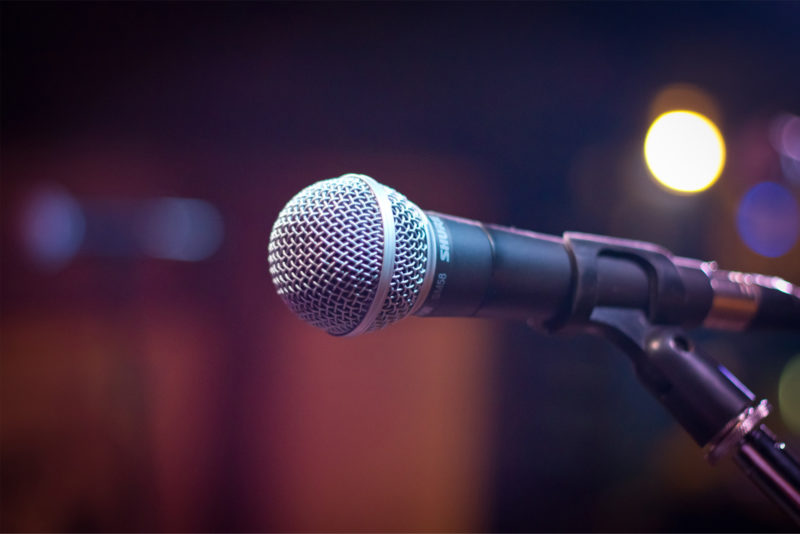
<point x="411" y="257"/>
<point x="326" y="252"/>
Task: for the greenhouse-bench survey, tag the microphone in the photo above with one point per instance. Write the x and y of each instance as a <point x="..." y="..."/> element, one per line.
<point x="349" y="255"/>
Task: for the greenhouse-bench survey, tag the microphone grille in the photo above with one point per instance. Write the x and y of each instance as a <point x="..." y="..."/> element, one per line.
<point x="410" y="260"/>
<point x="349" y="255"/>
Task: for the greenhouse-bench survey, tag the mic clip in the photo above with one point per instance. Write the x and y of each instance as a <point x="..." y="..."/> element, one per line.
<point x="666" y="292"/>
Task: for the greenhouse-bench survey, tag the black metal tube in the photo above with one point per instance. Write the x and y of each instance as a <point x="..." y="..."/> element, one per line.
<point x="770" y="465"/>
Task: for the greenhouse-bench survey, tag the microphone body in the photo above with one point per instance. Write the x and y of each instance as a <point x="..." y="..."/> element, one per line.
<point x="435" y="265"/>
<point x="491" y="271"/>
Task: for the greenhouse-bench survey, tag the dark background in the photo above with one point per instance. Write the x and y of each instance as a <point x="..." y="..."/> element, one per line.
<point x="157" y="395"/>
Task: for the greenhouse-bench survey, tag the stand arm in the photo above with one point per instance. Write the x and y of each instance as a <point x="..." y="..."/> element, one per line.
<point x="714" y="407"/>
<point x="771" y="466"/>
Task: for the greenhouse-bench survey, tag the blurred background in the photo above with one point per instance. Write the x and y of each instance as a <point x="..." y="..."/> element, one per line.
<point x="150" y="377"/>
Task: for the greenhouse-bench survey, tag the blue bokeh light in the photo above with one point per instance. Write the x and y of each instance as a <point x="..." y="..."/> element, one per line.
<point x="769" y="219"/>
<point x="183" y="229"/>
<point x="53" y="227"/>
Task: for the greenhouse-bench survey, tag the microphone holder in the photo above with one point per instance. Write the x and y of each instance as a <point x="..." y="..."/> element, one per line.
<point x="714" y="407"/>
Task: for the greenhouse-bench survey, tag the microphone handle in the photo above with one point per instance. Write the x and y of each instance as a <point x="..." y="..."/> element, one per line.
<point x="487" y="271"/>
<point x="491" y="271"/>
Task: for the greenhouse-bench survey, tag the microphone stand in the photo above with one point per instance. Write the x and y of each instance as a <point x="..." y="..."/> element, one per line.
<point x="714" y="407"/>
<point x="717" y="410"/>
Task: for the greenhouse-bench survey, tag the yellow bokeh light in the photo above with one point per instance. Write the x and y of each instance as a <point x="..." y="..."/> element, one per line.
<point x="789" y="394"/>
<point x="685" y="151"/>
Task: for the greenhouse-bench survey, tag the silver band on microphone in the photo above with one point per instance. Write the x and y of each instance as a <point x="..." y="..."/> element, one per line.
<point x="387" y="268"/>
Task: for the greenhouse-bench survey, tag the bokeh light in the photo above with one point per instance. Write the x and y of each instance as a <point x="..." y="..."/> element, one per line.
<point x="789" y="394"/>
<point x="785" y="139"/>
<point x="785" y="135"/>
<point x="768" y="219"/>
<point x="183" y="229"/>
<point x="53" y="227"/>
<point x="684" y="151"/>
<point x="790" y="168"/>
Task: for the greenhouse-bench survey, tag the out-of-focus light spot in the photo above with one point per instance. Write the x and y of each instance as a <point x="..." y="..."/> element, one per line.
<point x="768" y="219"/>
<point x="785" y="135"/>
<point x="684" y="151"/>
<point x="182" y="229"/>
<point x="789" y="394"/>
<point x="790" y="168"/>
<point x="53" y="227"/>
